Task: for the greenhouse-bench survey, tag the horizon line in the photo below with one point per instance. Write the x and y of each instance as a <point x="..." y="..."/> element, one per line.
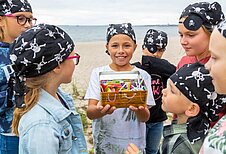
<point x="107" y="25"/>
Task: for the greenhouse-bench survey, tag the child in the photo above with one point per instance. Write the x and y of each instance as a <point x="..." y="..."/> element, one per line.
<point x="189" y="94"/>
<point x="196" y="23"/>
<point x="114" y="129"/>
<point x="160" y="70"/>
<point x="45" y="120"/>
<point x="15" y="17"/>
<point x="215" y="142"/>
<point x="195" y="26"/>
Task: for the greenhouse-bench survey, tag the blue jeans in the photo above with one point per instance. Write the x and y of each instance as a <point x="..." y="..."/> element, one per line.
<point x="153" y="137"/>
<point x="9" y="144"/>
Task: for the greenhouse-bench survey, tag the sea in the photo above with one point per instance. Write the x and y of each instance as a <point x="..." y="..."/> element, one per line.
<point x="85" y="33"/>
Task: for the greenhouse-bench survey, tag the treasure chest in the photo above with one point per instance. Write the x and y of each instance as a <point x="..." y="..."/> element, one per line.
<point x="122" y="89"/>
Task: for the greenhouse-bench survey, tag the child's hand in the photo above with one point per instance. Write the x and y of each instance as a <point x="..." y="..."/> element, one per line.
<point x="141" y="112"/>
<point x="132" y="149"/>
<point x="107" y="109"/>
<point x="133" y="108"/>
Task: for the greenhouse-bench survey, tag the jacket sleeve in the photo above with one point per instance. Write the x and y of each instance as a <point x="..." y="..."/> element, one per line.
<point x="163" y="66"/>
<point x="39" y="139"/>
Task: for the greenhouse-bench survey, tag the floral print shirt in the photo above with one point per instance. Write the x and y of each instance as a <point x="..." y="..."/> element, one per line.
<point x="215" y="142"/>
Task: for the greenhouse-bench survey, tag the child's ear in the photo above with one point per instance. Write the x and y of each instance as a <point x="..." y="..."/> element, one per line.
<point x="192" y="110"/>
<point x="57" y="69"/>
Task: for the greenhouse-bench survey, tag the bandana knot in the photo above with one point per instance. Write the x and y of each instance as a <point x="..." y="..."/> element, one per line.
<point x="36" y="52"/>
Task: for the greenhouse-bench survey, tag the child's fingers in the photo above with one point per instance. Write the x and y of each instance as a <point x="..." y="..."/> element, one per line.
<point x="111" y="110"/>
<point x="99" y="106"/>
<point x="105" y="109"/>
<point x="141" y="107"/>
<point x="133" y="108"/>
<point x="134" y="147"/>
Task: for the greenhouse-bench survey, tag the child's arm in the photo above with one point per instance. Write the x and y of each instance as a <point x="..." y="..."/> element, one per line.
<point x="142" y="113"/>
<point x="96" y="110"/>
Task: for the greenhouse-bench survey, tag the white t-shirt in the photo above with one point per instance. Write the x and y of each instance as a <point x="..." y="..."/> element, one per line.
<point x="112" y="133"/>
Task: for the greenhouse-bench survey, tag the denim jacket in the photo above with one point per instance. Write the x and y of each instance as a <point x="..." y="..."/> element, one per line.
<point x="6" y="71"/>
<point x="51" y="128"/>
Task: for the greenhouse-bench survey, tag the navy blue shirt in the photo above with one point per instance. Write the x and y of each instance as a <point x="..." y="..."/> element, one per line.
<point x="6" y="110"/>
<point x="160" y="70"/>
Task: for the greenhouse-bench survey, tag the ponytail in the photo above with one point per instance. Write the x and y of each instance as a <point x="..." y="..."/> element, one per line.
<point x="31" y="98"/>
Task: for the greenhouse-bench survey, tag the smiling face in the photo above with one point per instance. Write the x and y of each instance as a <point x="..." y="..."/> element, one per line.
<point x="217" y="63"/>
<point x="121" y="48"/>
<point x="195" y="43"/>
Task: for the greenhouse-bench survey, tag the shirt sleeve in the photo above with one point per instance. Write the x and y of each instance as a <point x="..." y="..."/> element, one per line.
<point x="93" y="91"/>
<point x="150" y="97"/>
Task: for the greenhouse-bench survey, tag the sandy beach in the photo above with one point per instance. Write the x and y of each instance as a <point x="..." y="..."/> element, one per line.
<point x="93" y="55"/>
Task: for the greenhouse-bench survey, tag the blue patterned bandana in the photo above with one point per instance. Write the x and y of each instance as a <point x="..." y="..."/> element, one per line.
<point x="36" y="52"/>
<point x="222" y="28"/>
<point x="195" y="82"/>
<point x="125" y="28"/>
<point x="202" y="13"/>
<point x="13" y="6"/>
<point x="155" y="39"/>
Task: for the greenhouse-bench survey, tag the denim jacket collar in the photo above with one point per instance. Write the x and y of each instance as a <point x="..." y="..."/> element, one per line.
<point x="54" y="107"/>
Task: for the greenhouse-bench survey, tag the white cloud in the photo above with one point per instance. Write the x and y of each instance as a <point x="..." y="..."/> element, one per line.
<point x="102" y="12"/>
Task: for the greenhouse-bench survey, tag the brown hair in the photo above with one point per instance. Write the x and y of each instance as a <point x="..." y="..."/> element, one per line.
<point x="206" y="30"/>
<point x="30" y="99"/>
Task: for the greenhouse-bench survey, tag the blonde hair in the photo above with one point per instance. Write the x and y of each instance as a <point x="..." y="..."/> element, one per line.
<point x="1" y="30"/>
<point x="1" y="34"/>
<point x="30" y="99"/>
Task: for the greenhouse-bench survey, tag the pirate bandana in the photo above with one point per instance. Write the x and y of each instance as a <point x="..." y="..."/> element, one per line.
<point x="155" y="39"/>
<point x="38" y="51"/>
<point x="195" y="82"/>
<point x="202" y="13"/>
<point x="13" y="6"/>
<point x="125" y="28"/>
<point x="222" y="28"/>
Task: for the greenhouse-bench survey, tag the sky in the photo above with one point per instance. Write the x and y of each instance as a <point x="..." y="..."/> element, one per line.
<point x="103" y="12"/>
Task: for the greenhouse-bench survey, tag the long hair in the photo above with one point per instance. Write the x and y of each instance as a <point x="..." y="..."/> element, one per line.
<point x="1" y="34"/>
<point x="1" y="31"/>
<point x="30" y="99"/>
